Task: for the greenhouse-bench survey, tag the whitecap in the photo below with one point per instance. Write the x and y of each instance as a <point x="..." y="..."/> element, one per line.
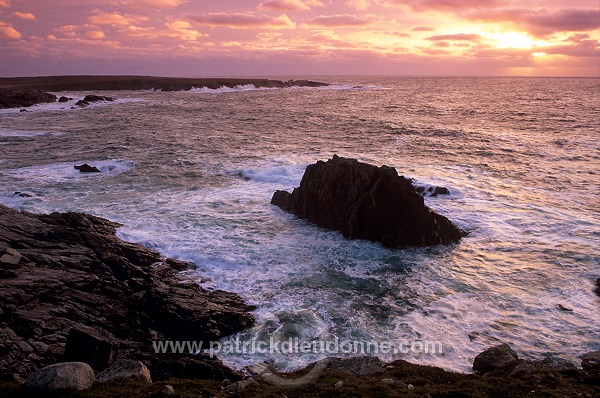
<point x="65" y="171"/>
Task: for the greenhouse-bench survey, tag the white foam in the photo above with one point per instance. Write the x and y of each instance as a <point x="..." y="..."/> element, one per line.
<point x="285" y="174"/>
<point x="224" y="89"/>
<point x="67" y="106"/>
<point x="9" y="133"/>
<point x="65" y="171"/>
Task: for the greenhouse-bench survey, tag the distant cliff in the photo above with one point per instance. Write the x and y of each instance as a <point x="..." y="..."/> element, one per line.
<point x="83" y="83"/>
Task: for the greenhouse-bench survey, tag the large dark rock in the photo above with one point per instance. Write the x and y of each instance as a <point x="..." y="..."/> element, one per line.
<point x="94" y="347"/>
<point x="95" y="98"/>
<point x="86" y="168"/>
<point x="495" y="358"/>
<point x="75" y="274"/>
<point x="17" y="98"/>
<point x="366" y="202"/>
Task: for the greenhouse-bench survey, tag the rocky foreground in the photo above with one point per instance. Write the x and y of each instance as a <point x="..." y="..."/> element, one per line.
<point x="85" y="83"/>
<point x="70" y="290"/>
<point x="367" y="202"/>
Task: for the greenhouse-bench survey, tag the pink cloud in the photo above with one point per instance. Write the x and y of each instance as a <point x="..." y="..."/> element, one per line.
<point x="5" y="3"/>
<point x="423" y="29"/>
<point x="543" y="22"/>
<point x="244" y="20"/>
<point x="114" y="18"/>
<point x="24" y="15"/>
<point x="8" y="32"/>
<point x="443" y="5"/>
<point x="152" y="4"/>
<point x="289" y="5"/>
<point x="341" y="20"/>
<point x="456" y="37"/>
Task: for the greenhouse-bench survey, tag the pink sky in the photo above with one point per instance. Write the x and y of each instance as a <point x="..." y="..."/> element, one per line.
<point x="300" y="37"/>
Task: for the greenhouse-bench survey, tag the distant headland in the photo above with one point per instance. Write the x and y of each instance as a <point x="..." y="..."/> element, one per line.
<point x="83" y="83"/>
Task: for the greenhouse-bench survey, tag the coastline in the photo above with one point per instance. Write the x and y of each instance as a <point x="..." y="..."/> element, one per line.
<point x="114" y="83"/>
<point x="70" y="271"/>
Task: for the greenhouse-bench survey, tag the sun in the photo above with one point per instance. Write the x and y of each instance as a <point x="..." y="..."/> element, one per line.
<point x="513" y="40"/>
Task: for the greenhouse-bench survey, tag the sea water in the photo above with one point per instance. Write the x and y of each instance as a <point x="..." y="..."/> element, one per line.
<point x="191" y="174"/>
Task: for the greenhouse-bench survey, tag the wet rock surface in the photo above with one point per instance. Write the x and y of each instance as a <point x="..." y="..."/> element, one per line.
<point x="366" y="202"/>
<point x="77" y="284"/>
<point x="18" y="97"/>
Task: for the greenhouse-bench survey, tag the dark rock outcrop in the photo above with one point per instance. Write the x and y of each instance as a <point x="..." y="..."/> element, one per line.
<point x="495" y="358"/>
<point x="75" y="274"/>
<point x="366" y="202"/>
<point x="17" y="98"/>
<point x="86" y="168"/>
<point x="597" y="290"/>
<point x="82" y="103"/>
<point x="62" y="376"/>
<point x="94" y="98"/>
<point x="63" y="99"/>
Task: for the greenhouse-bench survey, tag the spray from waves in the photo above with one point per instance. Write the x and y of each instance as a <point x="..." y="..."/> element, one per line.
<point x="69" y="105"/>
<point x="65" y="171"/>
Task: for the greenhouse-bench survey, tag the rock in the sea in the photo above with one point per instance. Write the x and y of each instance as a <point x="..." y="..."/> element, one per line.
<point x="92" y="346"/>
<point x="23" y="194"/>
<point x="62" y="376"/>
<point x="366" y="202"/>
<point x="82" y="103"/>
<point x="86" y="168"/>
<point x="597" y="290"/>
<point x="499" y="357"/>
<point x="125" y="370"/>
<point x="591" y="361"/>
<point x="17" y="98"/>
<point x="94" y="98"/>
<point x="63" y="99"/>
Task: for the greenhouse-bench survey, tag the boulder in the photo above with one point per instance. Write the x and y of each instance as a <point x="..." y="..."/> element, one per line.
<point x="63" y="99"/>
<point x="591" y="361"/>
<point x="366" y="202"/>
<point x="17" y="98"/>
<point x="125" y="369"/>
<point x="499" y="357"/>
<point x="62" y="376"/>
<point x="86" y="168"/>
<point x="82" y="103"/>
<point x="95" y="98"/>
<point x="92" y="346"/>
<point x="10" y="257"/>
<point x="597" y="290"/>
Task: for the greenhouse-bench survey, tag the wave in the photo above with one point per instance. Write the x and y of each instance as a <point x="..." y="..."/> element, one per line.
<point x="66" y="106"/>
<point x="65" y="172"/>
<point x="9" y="133"/>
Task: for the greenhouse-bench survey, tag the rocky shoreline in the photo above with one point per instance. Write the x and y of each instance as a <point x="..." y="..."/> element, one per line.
<point x="75" y="298"/>
<point x="70" y="290"/>
<point x="114" y="83"/>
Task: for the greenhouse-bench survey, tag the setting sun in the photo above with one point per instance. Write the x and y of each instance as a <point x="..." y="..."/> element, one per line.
<point x="513" y="40"/>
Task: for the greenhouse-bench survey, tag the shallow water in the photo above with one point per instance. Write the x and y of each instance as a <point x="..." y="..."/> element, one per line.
<point x="191" y="174"/>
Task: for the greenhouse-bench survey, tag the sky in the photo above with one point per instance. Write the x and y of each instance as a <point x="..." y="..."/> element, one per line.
<point x="300" y="37"/>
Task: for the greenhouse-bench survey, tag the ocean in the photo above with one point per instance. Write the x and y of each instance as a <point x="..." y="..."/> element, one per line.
<point x="191" y="174"/>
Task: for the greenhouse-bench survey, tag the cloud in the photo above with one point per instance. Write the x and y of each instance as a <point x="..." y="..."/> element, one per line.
<point x="442" y="5"/>
<point x="24" y="15"/>
<point x="8" y="32"/>
<point x="423" y="29"/>
<point x="244" y="20"/>
<point x="95" y="34"/>
<point x="456" y="37"/>
<point x="148" y="3"/>
<point x="341" y="20"/>
<point x="543" y="22"/>
<point x="360" y="5"/>
<point x="289" y="5"/>
<point x="5" y="3"/>
<point x="114" y="18"/>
